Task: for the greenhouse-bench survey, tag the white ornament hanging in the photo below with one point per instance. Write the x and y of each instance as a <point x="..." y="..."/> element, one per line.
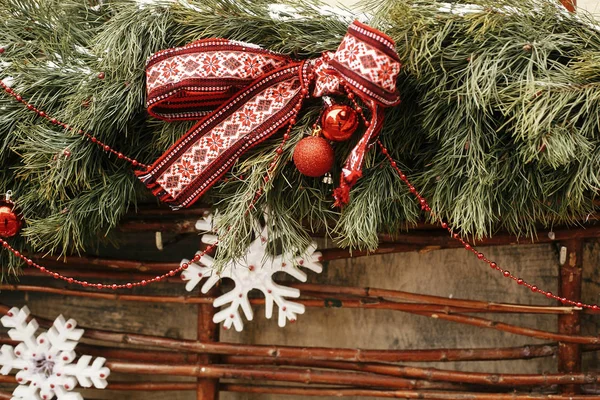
<point x="46" y="363"/>
<point x="252" y="271"/>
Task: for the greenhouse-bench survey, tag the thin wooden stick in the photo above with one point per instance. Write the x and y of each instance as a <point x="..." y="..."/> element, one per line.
<point x="381" y="370"/>
<point x="8" y="379"/>
<point x="187" y="299"/>
<point x="117" y="353"/>
<point x="312" y="353"/>
<point x="449" y="306"/>
<point x="517" y="330"/>
<point x="341" y="392"/>
<point x="284" y="390"/>
<point x="152" y="386"/>
<point x="100" y="263"/>
<point x="327" y="291"/>
<point x="304" y="375"/>
<point x="430" y="374"/>
<point x="327" y="302"/>
<point x="366" y="374"/>
<point x="397" y="394"/>
<point x="374" y="293"/>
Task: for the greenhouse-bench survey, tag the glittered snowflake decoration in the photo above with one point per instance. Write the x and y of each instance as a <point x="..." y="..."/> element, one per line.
<point x="254" y="270"/>
<point x="46" y="363"/>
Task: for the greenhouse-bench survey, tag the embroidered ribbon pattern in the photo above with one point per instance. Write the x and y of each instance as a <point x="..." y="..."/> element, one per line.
<point x="242" y="95"/>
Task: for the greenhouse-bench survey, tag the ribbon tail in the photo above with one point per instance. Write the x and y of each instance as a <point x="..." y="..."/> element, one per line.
<point x="206" y="152"/>
<point x="352" y="170"/>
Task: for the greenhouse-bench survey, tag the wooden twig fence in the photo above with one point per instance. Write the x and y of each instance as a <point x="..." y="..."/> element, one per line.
<point x="317" y="371"/>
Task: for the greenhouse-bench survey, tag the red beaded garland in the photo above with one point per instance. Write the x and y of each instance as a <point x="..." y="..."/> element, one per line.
<point x="480" y="255"/>
<point x="113" y="286"/>
<point x="143" y="282"/>
<point x="425" y="206"/>
<point x="182" y="267"/>
<point x="54" y="121"/>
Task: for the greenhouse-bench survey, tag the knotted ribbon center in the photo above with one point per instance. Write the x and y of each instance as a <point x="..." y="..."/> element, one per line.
<point x="242" y="95"/>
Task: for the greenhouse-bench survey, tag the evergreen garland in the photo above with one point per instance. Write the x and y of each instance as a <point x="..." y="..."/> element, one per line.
<point x="499" y="124"/>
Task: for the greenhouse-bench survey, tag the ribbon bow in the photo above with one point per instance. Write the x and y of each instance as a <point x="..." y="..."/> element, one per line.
<point x="242" y="94"/>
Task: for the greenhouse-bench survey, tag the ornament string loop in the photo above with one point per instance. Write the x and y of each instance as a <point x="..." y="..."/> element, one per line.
<point x="242" y="94"/>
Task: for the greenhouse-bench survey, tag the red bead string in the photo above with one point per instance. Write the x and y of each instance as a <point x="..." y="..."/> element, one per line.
<point x="467" y="246"/>
<point x="507" y="274"/>
<point x="158" y="278"/>
<point x="113" y="286"/>
<point x="183" y="266"/>
<point x="54" y="121"/>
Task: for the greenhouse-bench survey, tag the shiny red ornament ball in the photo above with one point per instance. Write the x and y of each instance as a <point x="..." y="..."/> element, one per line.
<point x="313" y="156"/>
<point x="339" y="122"/>
<point x="10" y="222"/>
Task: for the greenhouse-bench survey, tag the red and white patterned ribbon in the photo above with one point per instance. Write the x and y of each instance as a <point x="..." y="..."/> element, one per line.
<point x="242" y="94"/>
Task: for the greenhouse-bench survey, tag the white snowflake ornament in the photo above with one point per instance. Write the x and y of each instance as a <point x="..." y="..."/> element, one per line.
<point x="252" y="271"/>
<point x="46" y="363"/>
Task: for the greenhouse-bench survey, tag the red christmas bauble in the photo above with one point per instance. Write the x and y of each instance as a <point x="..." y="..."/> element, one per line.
<point x="10" y="222"/>
<point x="313" y="156"/>
<point x="339" y="122"/>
